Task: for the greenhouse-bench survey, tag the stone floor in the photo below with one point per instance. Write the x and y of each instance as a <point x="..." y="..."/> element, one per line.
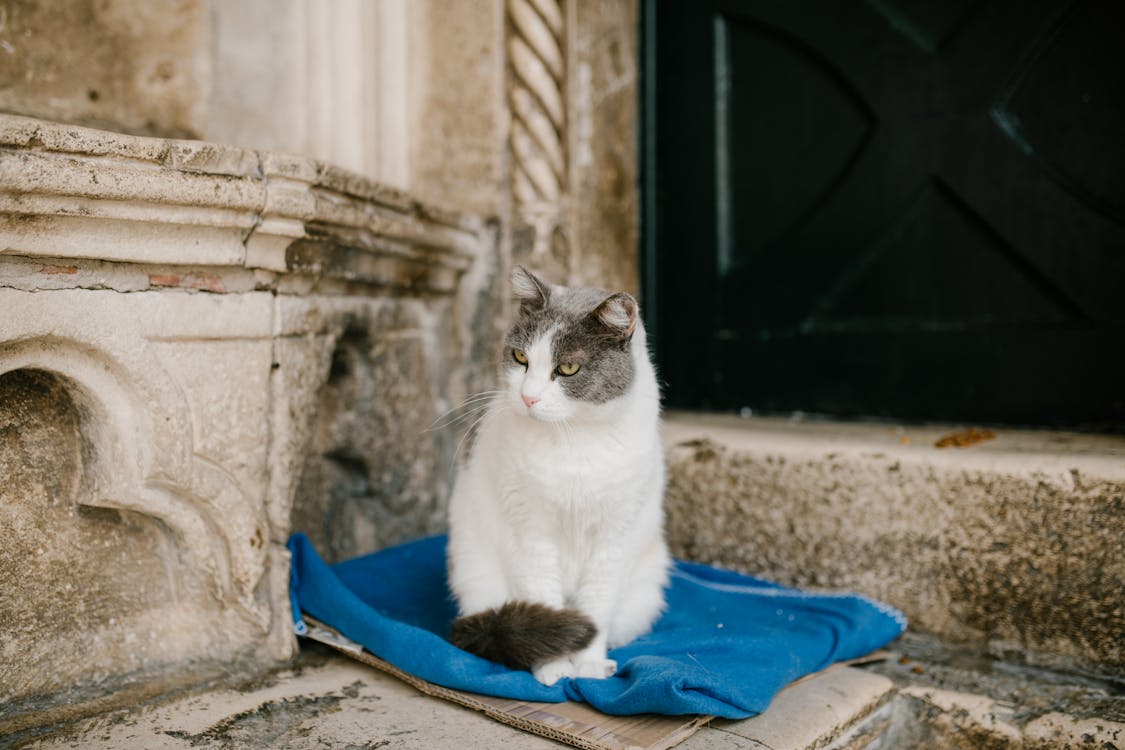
<point x="924" y="700"/>
<point x="330" y="701"/>
<point x="327" y="702"/>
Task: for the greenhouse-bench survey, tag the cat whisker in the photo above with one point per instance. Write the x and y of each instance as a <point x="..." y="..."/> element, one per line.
<point x="472" y="403"/>
<point x="460" y="418"/>
<point x="477" y="397"/>
<point x="469" y="430"/>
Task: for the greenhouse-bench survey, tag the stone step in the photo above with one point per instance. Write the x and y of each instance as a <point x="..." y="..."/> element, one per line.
<point x="1009" y="545"/>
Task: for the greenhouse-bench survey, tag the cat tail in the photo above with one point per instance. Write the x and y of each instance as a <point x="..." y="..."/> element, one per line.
<point x="523" y="635"/>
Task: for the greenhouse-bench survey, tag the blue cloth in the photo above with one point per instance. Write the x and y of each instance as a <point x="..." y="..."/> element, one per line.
<point x="725" y="646"/>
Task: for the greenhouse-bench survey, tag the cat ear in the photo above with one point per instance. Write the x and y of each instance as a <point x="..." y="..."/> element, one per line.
<point x="528" y="289"/>
<point x="618" y="313"/>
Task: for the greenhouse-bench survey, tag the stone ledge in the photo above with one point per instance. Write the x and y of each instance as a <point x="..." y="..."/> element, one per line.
<point x="1013" y="451"/>
<point x="1005" y="546"/>
<point x="75" y="192"/>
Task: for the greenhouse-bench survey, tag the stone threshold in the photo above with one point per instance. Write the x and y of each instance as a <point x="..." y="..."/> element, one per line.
<point x="1009" y="546"/>
<point x="79" y="193"/>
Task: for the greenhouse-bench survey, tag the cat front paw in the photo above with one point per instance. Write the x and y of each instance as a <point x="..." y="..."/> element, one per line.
<point x="599" y="669"/>
<point x="551" y="672"/>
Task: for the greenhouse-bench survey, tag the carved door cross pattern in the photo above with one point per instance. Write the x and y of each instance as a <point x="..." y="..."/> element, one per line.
<point x="894" y="208"/>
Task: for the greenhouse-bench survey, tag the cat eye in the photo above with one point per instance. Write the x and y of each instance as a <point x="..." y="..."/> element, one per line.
<point x="568" y="368"/>
<point x="519" y="356"/>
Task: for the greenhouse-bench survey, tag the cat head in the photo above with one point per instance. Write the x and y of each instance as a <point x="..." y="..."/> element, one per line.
<point x="569" y="351"/>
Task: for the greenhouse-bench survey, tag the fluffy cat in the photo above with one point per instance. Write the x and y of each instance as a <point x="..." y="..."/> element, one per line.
<point x="556" y="544"/>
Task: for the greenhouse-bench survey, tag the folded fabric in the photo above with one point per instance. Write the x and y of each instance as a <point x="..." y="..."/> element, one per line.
<point x="725" y="646"/>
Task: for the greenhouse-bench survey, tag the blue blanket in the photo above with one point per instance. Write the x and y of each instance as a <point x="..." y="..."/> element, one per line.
<point x="725" y="646"/>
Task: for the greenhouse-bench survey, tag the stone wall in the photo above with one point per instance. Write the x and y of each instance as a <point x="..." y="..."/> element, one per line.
<point x="447" y="105"/>
<point x="213" y="344"/>
<point x="124" y="65"/>
<point x="74" y="570"/>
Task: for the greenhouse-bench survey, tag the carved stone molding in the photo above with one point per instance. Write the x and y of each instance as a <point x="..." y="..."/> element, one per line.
<point x="80" y="193"/>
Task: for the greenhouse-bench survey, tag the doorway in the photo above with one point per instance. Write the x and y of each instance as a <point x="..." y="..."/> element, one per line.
<point x="902" y="209"/>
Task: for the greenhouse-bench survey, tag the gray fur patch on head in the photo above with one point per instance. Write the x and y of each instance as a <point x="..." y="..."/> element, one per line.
<point x="592" y="329"/>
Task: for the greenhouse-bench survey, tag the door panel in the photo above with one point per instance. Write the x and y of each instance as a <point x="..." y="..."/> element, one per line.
<point x="896" y="208"/>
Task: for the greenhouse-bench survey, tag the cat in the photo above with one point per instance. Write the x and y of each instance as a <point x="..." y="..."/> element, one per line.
<point x="556" y="543"/>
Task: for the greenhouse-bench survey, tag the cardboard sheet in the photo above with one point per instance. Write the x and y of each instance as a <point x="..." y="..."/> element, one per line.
<point x="573" y="723"/>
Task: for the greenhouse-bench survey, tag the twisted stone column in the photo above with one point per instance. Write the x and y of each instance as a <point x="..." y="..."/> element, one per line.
<point x="537" y="101"/>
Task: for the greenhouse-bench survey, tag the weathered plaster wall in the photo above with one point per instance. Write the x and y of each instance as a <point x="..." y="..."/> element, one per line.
<point x="134" y="67"/>
<point x="257" y="99"/>
<point x="571" y="92"/>
<point x="604" y="144"/>
<point x="458" y="153"/>
<point x="459" y="137"/>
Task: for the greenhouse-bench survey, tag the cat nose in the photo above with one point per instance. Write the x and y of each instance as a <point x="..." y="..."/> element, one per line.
<point x="529" y="401"/>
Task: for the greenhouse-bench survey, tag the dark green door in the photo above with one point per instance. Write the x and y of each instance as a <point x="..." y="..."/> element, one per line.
<point x="894" y="208"/>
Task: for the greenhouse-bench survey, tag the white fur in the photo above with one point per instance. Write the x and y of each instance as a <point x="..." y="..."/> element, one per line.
<point x="562" y="504"/>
